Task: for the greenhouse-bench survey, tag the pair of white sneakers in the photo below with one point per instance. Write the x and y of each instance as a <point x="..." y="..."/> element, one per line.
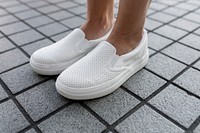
<point x="88" y="68"/>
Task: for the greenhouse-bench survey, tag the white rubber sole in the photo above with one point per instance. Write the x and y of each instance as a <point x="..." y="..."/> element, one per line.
<point x="52" y="69"/>
<point x="99" y="92"/>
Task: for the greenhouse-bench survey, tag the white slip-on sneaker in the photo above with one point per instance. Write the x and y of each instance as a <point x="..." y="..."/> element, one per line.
<point x="55" y="58"/>
<point x="101" y="71"/>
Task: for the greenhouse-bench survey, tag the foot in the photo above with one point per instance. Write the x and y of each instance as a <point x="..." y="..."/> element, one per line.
<point x="101" y="71"/>
<point x="96" y="29"/>
<point x="124" y="43"/>
<point x="54" y="59"/>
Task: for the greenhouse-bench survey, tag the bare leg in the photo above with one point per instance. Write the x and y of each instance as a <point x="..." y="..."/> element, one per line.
<point x="128" y="28"/>
<point x="99" y="18"/>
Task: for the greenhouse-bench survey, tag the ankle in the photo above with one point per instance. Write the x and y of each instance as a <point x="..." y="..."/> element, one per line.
<point x="94" y="29"/>
<point x="101" y="21"/>
<point x="125" y="43"/>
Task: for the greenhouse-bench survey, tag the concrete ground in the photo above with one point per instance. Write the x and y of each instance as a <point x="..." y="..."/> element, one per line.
<point x="164" y="97"/>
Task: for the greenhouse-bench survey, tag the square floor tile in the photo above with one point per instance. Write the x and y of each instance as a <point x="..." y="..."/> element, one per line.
<point x="151" y="51"/>
<point x="52" y="29"/>
<point x="185" y="24"/>
<point x="162" y="17"/>
<point x="182" y="53"/>
<point x="186" y="6"/>
<point x="55" y="1"/>
<point x="9" y="3"/>
<point x="3" y="12"/>
<point x="198" y="11"/>
<point x="38" y="21"/>
<point x="157" y="42"/>
<point x="197" y="31"/>
<point x="73" y="119"/>
<point x="152" y="24"/>
<point x="197" y="130"/>
<point x="7" y="19"/>
<point x="21" y="78"/>
<point x="1" y="35"/>
<point x="67" y="4"/>
<point x="60" y="36"/>
<point x="85" y="16"/>
<point x="178" y="105"/>
<point x="144" y="83"/>
<point x="175" y="11"/>
<point x="81" y="1"/>
<point x="164" y="66"/>
<point x="60" y="15"/>
<point x="28" y="1"/>
<point x="193" y="17"/>
<point x="3" y="94"/>
<point x="31" y="48"/>
<point x="13" y="28"/>
<point x="27" y="14"/>
<point x="73" y="22"/>
<point x="114" y="106"/>
<point x="41" y="100"/>
<point x="145" y="120"/>
<point x="192" y="40"/>
<point x="197" y="65"/>
<point x="157" y="6"/>
<point x="31" y="131"/>
<point x="11" y="119"/>
<point x="48" y="9"/>
<point x="36" y="4"/>
<point x="195" y="2"/>
<point x="26" y="37"/>
<point x="190" y="80"/>
<point x="169" y="2"/>
<point x="12" y="59"/>
<point x="78" y="10"/>
<point x="19" y="8"/>
<point x="5" y="44"/>
<point x="171" y="32"/>
<point x="150" y="11"/>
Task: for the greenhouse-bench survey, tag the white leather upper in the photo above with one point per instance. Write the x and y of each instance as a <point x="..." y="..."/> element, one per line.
<point x="72" y="46"/>
<point x="101" y="65"/>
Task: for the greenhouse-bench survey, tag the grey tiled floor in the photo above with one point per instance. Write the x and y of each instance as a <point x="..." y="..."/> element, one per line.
<point x="164" y="97"/>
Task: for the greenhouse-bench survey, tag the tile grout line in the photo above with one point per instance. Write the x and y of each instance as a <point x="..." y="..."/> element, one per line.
<point x="19" y="106"/>
<point x="174" y="41"/>
<point x="81" y="16"/>
<point x="182" y="127"/>
<point x="42" y="14"/>
<point x="177" y="60"/>
<point x="143" y="102"/>
<point x="177" y="17"/>
<point x="34" y="8"/>
<point x="169" y="117"/>
<point x="194" y="125"/>
<point x="171" y="81"/>
<point x="32" y="28"/>
<point x="14" y="67"/>
<point x="67" y="9"/>
<point x="18" y="47"/>
<point x="46" y="14"/>
<point x="99" y="118"/>
<point x="15" y="100"/>
<point x="36" y="123"/>
<point x="176" y="123"/>
<point x="88" y="107"/>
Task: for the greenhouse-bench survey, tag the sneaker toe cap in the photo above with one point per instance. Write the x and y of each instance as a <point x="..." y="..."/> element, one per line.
<point x="42" y="56"/>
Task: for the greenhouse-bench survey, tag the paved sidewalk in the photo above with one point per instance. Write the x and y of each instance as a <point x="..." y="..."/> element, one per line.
<point x="164" y="97"/>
